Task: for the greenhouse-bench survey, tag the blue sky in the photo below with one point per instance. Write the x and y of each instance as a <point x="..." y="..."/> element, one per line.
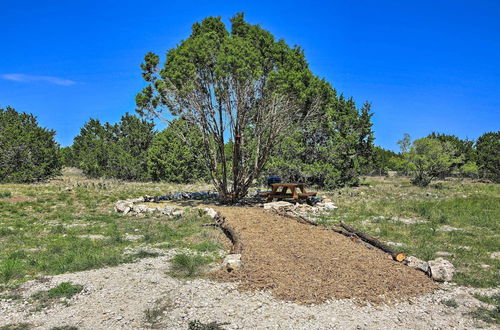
<point x="425" y="65"/>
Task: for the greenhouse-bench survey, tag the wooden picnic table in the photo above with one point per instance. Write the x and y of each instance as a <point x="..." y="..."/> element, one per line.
<point x="294" y="193"/>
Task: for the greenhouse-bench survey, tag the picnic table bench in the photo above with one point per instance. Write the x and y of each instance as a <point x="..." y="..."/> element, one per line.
<point x="294" y="193"/>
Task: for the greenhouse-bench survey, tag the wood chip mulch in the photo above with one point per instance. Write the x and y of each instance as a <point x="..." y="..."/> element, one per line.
<point x="307" y="264"/>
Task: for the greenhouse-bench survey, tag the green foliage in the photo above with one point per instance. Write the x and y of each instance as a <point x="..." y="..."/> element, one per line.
<point x="450" y="303"/>
<point x="405" y="143"/>
<point x="329" y="152"/>
<point x="245" y="93"/>
<point x="384" y="160"/>
<point x="28" y="152"/>
<point x="63" y="290"/>
<point x="428" y="158"/>
<point x="67" y="156"/>
<point x="469" y="170"/>
<point x="10" y="268"/>
<point x="197" y="325"/>
<point x="174" y="154"/>
<point x="487" y="315"/>
<point x="488" y="155"/>
<point x="4" y="194"/>
<point x="187" y="265"/>
<point x="114" y="151"/>
<point x="463" y="151"/>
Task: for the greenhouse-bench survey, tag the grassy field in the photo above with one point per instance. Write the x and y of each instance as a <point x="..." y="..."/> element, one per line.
<point x="69" y="225"/>
<point x="458" y="219"/>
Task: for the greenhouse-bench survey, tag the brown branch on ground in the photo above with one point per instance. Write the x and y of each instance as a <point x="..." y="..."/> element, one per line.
<point x="231" y="234"/>
<point x="397" y="256"/>
<point x="350" y="232"/>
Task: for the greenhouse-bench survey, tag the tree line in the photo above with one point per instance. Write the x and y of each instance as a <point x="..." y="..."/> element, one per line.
<point x="132" y="149"/>
<point x="240" y="105"/>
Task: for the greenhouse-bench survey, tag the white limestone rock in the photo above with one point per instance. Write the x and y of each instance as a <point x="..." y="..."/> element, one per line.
<point x="441" y="270"/>
<point x="232" y="262"/>
<point x="417" y="263"/>
<point x="210" y="212"/>
<point x="280" y="205"/>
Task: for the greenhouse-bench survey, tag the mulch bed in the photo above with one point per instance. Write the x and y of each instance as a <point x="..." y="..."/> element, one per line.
<point x="308" y="264"/>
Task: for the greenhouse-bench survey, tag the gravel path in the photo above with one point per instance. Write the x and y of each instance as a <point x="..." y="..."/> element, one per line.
<point x="117" y="298"/>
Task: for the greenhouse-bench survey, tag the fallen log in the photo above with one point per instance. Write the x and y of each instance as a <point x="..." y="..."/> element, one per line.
<point x="231" y="234"/>
<point x="295" y="216"/>
<point x="397" y="256"/>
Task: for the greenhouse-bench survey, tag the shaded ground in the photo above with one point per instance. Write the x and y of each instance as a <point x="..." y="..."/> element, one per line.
<point x="307" y="264"/>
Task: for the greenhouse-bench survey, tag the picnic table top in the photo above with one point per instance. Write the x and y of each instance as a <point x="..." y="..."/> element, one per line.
<point x="287" y="184"/>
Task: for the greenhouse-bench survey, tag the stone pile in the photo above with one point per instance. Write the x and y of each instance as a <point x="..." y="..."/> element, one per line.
<point x="439" y="270"/>
<point x="304" y="210"/>
<point x="133" y="206"/>
<point x="182" y="195"/>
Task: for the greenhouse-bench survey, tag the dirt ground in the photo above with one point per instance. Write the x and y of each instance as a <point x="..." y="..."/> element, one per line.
<point x="308" y="264"/>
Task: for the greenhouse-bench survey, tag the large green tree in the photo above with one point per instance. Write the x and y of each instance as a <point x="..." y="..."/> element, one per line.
<point x="114" y="151"/>
<point x="240" y="86"/>
<point x="28" y="152"/>
<point x="331" y="151"/>
<point x="171" y="159"/>
<point x="428" y="158"/>
<point x="464" y="150"/>
<point x="488" y="155"/>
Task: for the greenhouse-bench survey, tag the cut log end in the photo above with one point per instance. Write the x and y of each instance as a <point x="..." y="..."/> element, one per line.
<point x="400" y="257"/>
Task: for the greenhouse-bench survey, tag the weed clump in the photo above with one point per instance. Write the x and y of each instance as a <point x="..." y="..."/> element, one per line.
<point x="5" y="194"/>
<point x="197" y="325"/>
<point x="188" y="266"/>
<point x="63" y="290"/>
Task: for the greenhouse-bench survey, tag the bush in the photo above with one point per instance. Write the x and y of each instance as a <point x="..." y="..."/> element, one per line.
<point x="174" y="155"/>
<point x="488" y="155"/>
<point x="28" y="152"/>
<point x="188" y="266"/>
<point x="114" y="151"/>
<point x="329" y="152"/>
<point x="428" y="158"/>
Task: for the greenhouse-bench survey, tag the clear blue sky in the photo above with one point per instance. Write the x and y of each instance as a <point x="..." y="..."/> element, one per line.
<point x="425" y="65"/>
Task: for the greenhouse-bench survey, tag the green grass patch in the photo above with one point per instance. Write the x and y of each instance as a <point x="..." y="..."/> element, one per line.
<point x="492" y="300"/>
<point x="5" y="194"/>
<point x="486" y="315"/>
<point x="63" y="290"/>
<point x="43" y="299"/>
<point x="450" y="303"/>
<point x="188" y="266"/>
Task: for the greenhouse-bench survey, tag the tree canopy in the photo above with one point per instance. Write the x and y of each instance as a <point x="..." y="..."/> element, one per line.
<point x="244" y="89"/>
<point x="28" y="152"/>
<point x="114" y="151"/>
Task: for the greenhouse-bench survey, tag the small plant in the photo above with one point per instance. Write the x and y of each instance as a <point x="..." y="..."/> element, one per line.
<point x="197" y="325"/>
<point x="492" y="300"/>
<point x="5" y="194"/>
<point x="145" y="254"/>
<point x="152" y="315"/>
<point x="188" y="266"/>
<point x="63" y="290"/>
<point x="450" y="303"/>
<point x="10" y="269"/>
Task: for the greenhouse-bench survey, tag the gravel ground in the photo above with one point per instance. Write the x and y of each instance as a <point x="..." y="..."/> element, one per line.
<point x="117" y="298"/>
